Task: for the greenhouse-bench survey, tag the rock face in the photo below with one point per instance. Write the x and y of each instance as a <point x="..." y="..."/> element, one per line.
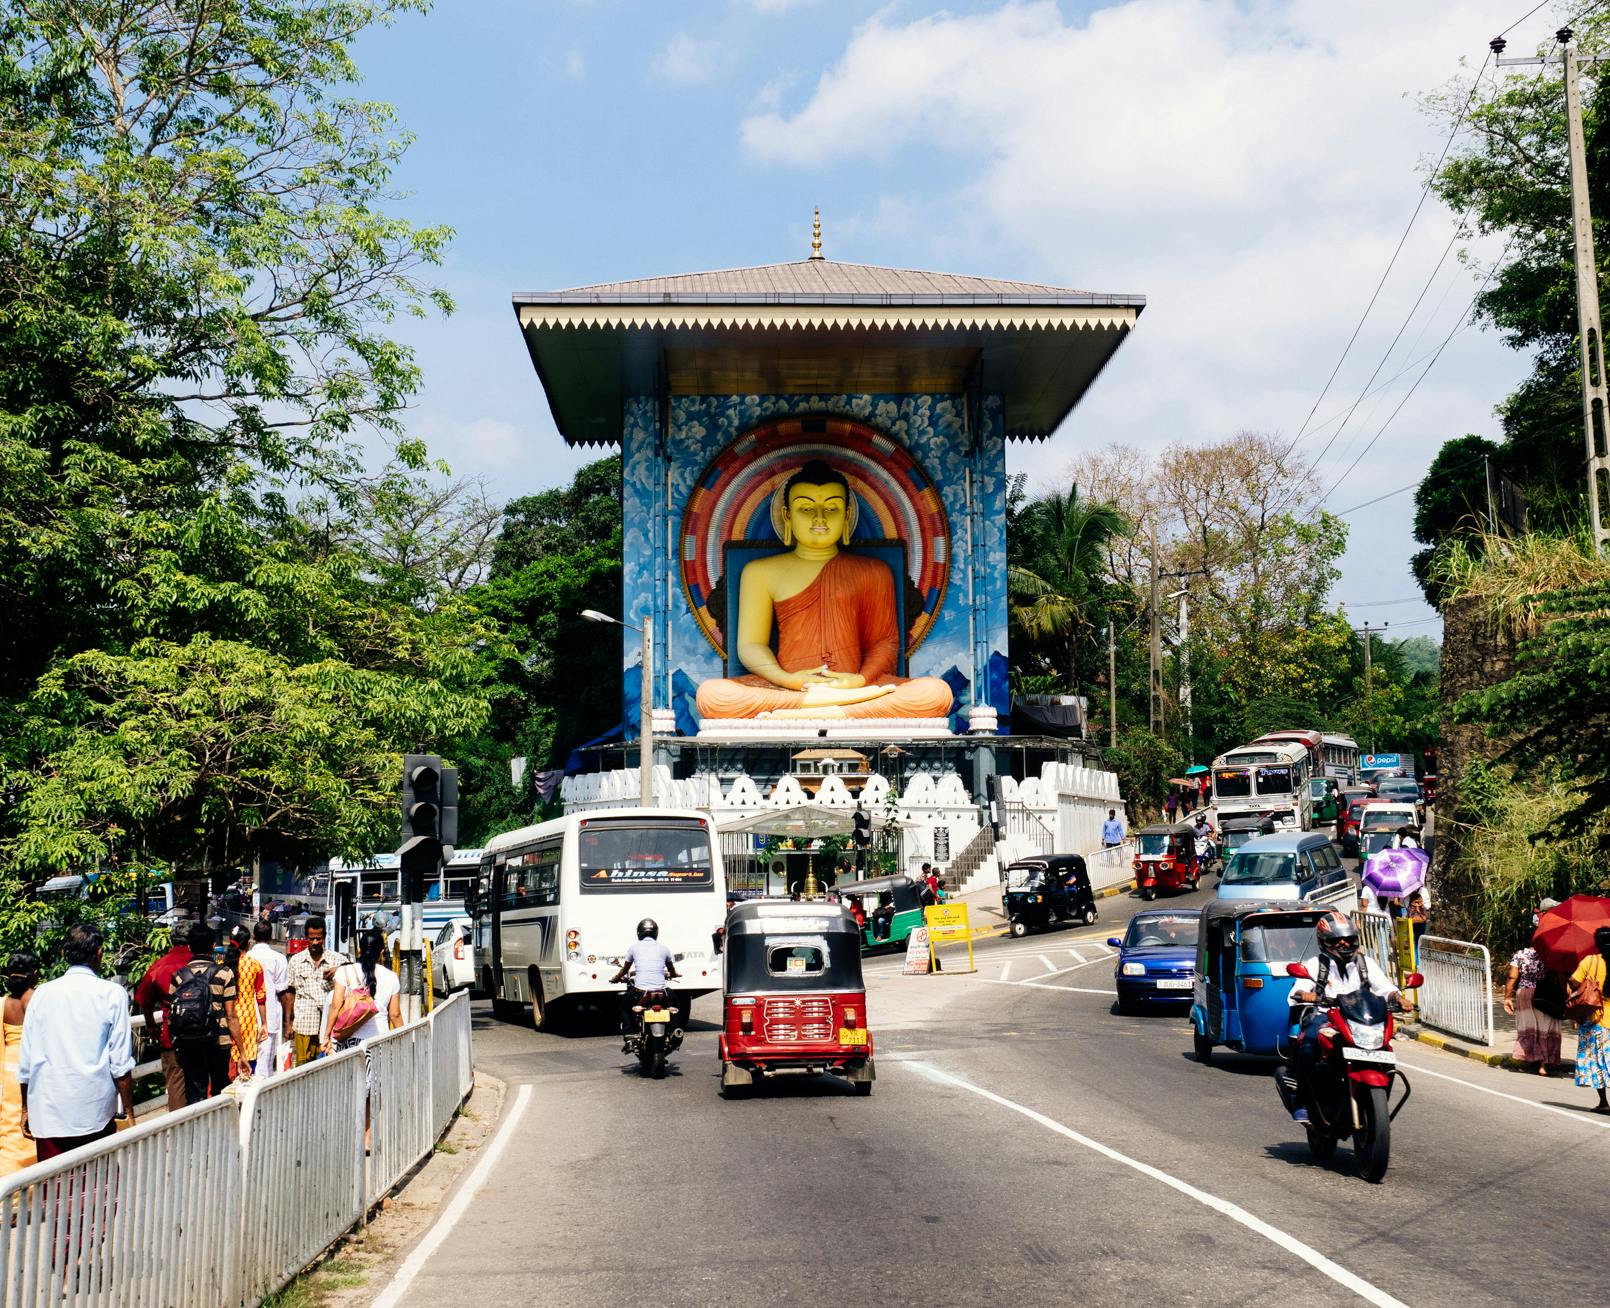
<point x="1475" y="654"/>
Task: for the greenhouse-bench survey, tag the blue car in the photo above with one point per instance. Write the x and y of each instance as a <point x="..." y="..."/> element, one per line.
<point x="1156" y="958"/>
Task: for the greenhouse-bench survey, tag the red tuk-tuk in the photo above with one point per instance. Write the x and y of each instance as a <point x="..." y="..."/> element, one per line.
<point x="1165" y="858"/>
<point x="794" y="999"/>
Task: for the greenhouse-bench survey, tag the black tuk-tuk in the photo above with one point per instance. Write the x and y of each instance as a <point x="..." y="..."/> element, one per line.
<point x="794" y="999"/>
<point x="1037" y="892"/>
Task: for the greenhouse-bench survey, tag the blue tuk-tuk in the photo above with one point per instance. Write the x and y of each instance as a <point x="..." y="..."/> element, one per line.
<point x="1241" y="991"/>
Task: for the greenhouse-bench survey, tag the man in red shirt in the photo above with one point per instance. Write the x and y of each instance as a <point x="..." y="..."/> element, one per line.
<point x="151" y="994"/>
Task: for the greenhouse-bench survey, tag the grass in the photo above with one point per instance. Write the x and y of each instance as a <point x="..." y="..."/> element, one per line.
<point x="446" y="1147"/>
<point x="1509" y="576"/>
<point x="308" y="1290"/>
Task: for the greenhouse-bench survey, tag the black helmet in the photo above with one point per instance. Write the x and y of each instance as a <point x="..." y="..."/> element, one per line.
<point x="1338" y="937"/>
<point x="649" y="929"/>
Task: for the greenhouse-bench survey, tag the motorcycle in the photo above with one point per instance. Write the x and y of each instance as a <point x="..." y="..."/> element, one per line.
<point x="657" y="1035"/>
<point x="1353" y="1078"/>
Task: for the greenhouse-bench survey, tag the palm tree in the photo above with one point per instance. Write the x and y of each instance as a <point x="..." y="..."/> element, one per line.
<point x="1063" y="553"/>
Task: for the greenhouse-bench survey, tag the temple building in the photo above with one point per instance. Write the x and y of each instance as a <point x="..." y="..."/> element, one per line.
<point x="814" y="506"/>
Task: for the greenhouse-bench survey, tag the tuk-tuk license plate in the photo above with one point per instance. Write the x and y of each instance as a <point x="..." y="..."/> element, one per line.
<point x="1174" y="983"/>
<point x="849" y="1037"/>
<point x="1370" y="1056"/>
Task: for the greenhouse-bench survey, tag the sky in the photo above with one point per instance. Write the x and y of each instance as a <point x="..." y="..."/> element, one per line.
<point x="1248" y="167"/>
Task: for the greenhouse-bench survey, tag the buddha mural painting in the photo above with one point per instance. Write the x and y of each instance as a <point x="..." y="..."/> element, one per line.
<point x="834" y="615"/>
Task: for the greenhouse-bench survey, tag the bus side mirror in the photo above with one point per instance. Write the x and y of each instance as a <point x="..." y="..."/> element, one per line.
<point x="1297" y="970"/>
<point x="472" y="897"/>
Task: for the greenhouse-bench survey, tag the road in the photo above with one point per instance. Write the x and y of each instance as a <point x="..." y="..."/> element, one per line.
<point x="1023" y="1142"/>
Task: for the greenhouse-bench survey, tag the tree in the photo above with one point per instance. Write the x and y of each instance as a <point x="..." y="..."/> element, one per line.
<point x="1513" y="179"/>
<point x="1062" y="543"/>
<point x="1554" y="710"/>
<point x="197" y="277"/>
<point x="1452" y="499"/>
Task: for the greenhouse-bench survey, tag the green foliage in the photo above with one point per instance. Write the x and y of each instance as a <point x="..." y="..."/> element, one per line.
<point x="1513" y="179"/>
<point x="1144" y="763"/>
<point x="1451" y="499"/>
<point x="1553" y="712"/>
<point x="217" y="630"/>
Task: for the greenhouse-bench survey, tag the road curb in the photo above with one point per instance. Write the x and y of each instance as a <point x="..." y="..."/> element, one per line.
<point x="1450" y="1046"/>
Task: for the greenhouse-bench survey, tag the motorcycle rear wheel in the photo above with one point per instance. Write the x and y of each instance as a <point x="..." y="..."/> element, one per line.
<point x="1372" y="1142"/>
<point x="656" y="1064"/>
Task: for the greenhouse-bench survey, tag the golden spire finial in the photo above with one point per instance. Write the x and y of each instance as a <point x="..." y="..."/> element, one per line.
<point x="816" y="235"/>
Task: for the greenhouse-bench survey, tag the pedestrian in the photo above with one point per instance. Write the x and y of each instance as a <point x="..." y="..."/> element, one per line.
<point x="935" y="892"/>
<point x="250" y="1002"/>
<point x="1112" y="833"/>
<point x="927" y="881"/>
<point x="276" y="999"/>
<point x="201" y="1014"/>
<point x="1172" y="803"/>
<point x="151" y="996"/>
<point x="77" y="1057"/>
<point x="1537" y="1035"/>
<point x="369" y="990"/>
<point x="1592" y="1039"/>
<point x="16" y="1149"/>
<point x="310" y="975"/>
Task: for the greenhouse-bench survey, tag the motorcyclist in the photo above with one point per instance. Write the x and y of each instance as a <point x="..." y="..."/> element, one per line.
<point x="1204" y="839"/>
<point x="651" y="966"/>
<point x="1337" y="969"/>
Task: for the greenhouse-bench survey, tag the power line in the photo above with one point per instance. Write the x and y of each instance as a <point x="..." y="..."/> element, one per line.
<point x="1381" y="604"/>
<point x="1425" y="190"/>
<point x="1415" y="485"/>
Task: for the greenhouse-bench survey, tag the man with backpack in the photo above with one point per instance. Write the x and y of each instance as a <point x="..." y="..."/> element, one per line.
<point x="201" y="1016"/>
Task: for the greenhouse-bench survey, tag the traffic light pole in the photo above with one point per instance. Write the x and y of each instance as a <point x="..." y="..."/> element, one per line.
<point x="429" y="828"/>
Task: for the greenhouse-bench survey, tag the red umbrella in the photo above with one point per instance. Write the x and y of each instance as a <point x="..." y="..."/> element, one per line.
<point x="1564" y="935"/>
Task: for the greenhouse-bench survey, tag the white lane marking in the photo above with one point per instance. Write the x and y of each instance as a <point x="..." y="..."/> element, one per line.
<point x="1005" y="968"/>
<point x="437" y="1235"/>
<point x="1078" y="957"/>
<point x="1349" y="1280"/>
<point x="1049" y="965"/>
<point x="1585" y="1118"/>
<point x="1086" y="963"/>
<point x="1041" y="985"/>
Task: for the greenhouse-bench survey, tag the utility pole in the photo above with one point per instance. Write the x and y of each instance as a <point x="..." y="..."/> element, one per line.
<point x="1595" y="394"/>
<point x="1369" y="679"/>
<point x="1112" y="687"/>
<point x="1185" y="661"/>
<point x="1156" y="647"/>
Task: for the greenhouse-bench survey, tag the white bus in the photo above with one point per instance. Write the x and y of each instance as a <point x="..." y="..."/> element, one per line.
<point x="357" y="895"/>
<point x="557" y="906"/>
<point x="1265" y="780"/>
<point x="1341" y="758"/>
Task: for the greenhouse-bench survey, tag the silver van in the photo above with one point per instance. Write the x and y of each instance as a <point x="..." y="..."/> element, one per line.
<point x="1301" y="866"/>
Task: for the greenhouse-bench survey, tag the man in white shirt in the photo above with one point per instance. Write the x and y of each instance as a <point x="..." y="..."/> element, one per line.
<point x="77" y="1054"/>
<point x="276" y="999"/>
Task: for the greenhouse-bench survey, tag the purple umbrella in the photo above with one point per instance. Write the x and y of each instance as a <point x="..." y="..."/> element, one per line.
<point x="1393" y="873"/>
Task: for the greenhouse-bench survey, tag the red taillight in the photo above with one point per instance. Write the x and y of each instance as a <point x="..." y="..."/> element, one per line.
<point x="458" y="949"/>
<point x="851" y="1017"/>
<point x="746" y="1021"/>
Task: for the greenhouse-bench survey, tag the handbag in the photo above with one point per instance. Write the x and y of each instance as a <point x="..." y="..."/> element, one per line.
<point x="357" y="1007"/>
<point x="1588" y="998"/>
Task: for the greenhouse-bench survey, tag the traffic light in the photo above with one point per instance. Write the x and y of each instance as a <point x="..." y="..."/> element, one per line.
<point x="422" y="797"/>
<point x="863" y="827"/>
<point x="447" y="823"/>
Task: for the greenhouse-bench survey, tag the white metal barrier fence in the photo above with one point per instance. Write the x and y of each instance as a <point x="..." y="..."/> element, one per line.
<point x="1376" y="933"/>
<point x="223" y="1202"/>
<point x="1458" y="993"/>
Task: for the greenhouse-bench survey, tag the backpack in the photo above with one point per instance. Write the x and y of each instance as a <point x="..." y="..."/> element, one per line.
<point x="190" y="1011"/>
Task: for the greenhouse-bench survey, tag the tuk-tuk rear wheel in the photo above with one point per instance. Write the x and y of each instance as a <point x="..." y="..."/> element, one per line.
<point x="863" y="1088"/>
<point x="1090" y="916"/>
<point x="1202" y="1046"/>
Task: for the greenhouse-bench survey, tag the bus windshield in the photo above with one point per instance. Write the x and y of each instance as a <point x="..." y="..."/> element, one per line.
<point x="1232" y="783"/>
<point x="1274" y="781"/>
<point x="623" y="856"/>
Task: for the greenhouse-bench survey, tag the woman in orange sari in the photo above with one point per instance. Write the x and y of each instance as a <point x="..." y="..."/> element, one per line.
<point x="249" y="998"/>
<point x="16" y="1150"/>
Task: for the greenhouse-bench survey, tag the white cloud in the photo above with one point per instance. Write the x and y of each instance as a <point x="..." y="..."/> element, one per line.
<point x="687" y="60"/>
<point x="575" y="65"/>
<point x="1248" y="167"/>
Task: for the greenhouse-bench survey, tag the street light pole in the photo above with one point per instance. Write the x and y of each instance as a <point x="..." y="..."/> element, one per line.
<point x="645" y="739"/>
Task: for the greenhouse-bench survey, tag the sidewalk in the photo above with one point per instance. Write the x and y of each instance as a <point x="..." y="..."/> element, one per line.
<point x="1498" y="1054"/>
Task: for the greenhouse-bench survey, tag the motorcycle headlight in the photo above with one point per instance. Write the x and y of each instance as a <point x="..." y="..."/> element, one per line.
<point x="1368" y="1037"/>
<point x="1134" y="969"/>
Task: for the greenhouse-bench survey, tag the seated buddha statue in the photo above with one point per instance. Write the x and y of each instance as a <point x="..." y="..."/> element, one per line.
<point x="838" y="641"/>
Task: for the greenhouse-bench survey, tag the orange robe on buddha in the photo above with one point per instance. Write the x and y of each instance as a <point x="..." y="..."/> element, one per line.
<point x="846" y="619"/>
